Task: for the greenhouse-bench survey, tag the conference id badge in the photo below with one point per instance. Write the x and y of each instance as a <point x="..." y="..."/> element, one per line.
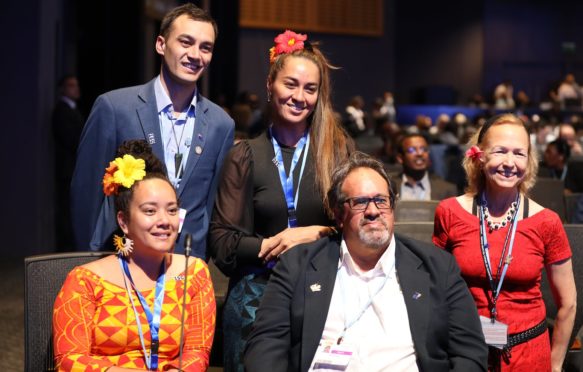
<point x="332" y="357"/>
<point x="496" y="334"/>
<point x="181" y="217"/>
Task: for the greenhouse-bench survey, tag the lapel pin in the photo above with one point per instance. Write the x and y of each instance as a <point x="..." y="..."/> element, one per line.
<point x="151" y="138"/>
<point x="198" y="150"/>
<point x="316" y="287"/>
<point x="416" y="295"/>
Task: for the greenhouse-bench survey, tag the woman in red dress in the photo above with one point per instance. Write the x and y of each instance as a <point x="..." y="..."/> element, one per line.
<point x="502" y="240"/>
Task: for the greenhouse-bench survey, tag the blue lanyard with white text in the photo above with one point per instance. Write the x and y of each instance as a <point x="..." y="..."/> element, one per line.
<point x="496" y="287"/>
<point x="153" y="319"/>
<point x="287" y="181"/>
<point x="348" y="324"/>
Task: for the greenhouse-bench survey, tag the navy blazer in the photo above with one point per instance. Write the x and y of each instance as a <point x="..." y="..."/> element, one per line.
<point x="131" y="113"/>
<point x="444" y="321"/>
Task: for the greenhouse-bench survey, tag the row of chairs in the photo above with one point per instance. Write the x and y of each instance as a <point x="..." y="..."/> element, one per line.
<point x="44" y="275"/>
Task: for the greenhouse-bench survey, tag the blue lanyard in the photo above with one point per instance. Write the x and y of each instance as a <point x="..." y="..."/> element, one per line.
<point x="350" y="323"/>
<point x="496" y="283"/>
<point x="287" y="181"/>
<point x="153" y="319"/>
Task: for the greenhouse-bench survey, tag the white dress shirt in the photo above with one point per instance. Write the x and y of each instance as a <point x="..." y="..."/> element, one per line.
<point x="380" y="338"/>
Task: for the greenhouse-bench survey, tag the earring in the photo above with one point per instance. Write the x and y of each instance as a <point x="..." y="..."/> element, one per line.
<point x="123" y="245"/>
<point x="268" y="96"/>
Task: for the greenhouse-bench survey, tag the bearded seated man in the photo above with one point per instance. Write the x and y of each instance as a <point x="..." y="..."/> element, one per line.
<point x="365" y="300"/>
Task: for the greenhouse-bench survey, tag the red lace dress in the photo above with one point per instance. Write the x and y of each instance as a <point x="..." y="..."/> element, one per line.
<point x="94" y="325"/>
<point x="540" y="240"/>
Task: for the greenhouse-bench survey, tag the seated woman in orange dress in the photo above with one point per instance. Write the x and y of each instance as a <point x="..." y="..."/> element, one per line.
<point x="125" y="311"/>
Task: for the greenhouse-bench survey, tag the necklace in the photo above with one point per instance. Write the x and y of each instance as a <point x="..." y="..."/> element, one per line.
<point x="178" y="155"/>
<point x="497" y="225"/>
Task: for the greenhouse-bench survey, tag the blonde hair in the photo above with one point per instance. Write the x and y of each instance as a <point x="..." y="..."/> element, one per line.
<point x="330" y="145"/>
<point x="473" y="168"/>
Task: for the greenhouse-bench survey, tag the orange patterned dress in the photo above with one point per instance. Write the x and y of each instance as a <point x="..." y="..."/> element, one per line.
<point x="94" y="325"/>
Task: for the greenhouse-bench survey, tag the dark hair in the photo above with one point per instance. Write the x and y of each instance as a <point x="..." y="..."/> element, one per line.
<point x="562" y="147"/>
<point x="63" y="80"/>
<point x="139" y="149"/>
<point x="329" y="143"/>
<point x="402" y="140"/>
<point x="192" y="11"/>
<point x="356" y="160"/>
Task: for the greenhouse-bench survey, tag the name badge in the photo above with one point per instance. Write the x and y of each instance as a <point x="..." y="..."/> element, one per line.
<point x="332" y="357"/>
<point x="496" y="334"/>
<point x="181" y="217"/>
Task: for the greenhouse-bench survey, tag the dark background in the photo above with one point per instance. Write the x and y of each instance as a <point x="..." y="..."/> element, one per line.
<point x="457" y="47"/>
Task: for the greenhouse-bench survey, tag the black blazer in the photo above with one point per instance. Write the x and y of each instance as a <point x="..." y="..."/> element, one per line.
<point x="444" y="321"/>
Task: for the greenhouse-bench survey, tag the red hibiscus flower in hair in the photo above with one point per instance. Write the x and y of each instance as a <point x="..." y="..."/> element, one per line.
<point x="288" y="42"/>
<point x="474" y="152"/>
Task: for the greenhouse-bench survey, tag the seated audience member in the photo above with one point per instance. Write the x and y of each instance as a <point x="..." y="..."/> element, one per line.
<point x="355" y="122"/>
<point x="570" y="93"/>
<point x="365" y="300"/>
<point x="388" y="107"/>
<point x="124" y="312"/>
<point x="416" y="183"/>
<point x="567" y="132"/>
<point x="556" y="165"/>
<point x="504" y="96"/>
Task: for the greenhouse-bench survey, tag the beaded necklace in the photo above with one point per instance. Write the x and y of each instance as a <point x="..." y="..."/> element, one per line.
<point x="492" y="226"/>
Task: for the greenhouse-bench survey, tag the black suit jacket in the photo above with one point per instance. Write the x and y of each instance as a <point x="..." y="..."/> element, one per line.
<point x="444" y="321"/>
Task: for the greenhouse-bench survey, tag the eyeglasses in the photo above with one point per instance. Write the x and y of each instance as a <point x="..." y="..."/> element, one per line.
<point x="413" y="149"/>
<point x="360" y="203"/>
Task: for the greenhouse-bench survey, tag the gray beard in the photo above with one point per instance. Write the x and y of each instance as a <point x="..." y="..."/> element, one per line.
<point x="377" y="239"/>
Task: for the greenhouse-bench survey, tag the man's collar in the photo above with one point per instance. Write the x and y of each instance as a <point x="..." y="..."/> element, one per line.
<point x="71" y="103"/>
<point x="385" y="263"/>
<point x="423" y="182"/>
<point x="162" y="98"/>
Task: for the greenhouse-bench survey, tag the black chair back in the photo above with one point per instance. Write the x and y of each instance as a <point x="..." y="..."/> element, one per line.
<point x="548" y="192"/>
<point x="415" y="210"/>
<point x="574" y="232"/>
<point x="43" y="277"/>
<point x="571" y="206"/>
<point x="422" y="231"/>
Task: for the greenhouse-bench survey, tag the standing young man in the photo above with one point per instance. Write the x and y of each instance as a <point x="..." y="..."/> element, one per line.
<point x="187" y="131"/>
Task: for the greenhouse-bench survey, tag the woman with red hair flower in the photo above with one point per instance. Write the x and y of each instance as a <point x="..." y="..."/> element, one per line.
<point x="274" y="187"/>
<point x="502" y="240"/>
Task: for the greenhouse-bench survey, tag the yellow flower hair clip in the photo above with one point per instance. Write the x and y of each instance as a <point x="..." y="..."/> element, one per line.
<point x="123" y="172"/>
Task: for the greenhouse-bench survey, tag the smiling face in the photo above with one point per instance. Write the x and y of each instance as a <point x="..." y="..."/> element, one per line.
<point x="414" y="154"/>
<point x="153" y="217"/>
<point x="186" y="51"/>
<point x="294" y="91"/>
<point x="368" y="232"/>
<point x="505" y="159"/>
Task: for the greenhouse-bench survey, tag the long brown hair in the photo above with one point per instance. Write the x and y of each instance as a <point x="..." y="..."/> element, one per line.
<point x="330" y="144"/>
